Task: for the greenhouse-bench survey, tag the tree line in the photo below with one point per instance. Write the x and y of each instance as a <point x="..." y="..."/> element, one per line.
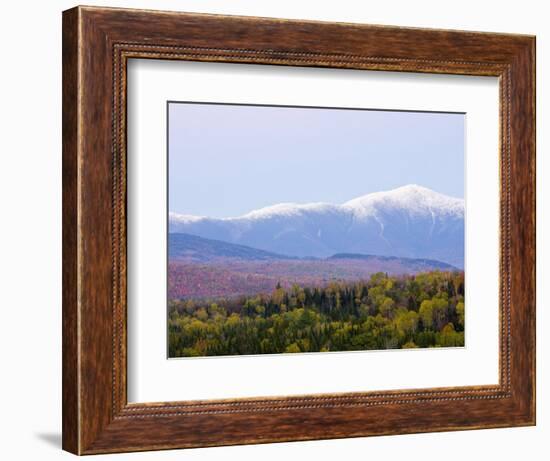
<point x="384" y="312"/>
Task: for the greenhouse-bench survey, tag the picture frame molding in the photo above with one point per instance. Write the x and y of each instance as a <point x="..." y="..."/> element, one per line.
<point x="97" y="44"/>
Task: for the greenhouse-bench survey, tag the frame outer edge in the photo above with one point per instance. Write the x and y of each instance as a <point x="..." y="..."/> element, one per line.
<point x="70" y="189"/>
<point x="523" y="236"/>
<point x="91" y="422"/>
<point x="534" y="212"/>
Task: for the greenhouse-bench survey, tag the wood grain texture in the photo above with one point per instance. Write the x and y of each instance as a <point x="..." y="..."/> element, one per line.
<point x="97" y="43"/>
<point x="70" y="384"/>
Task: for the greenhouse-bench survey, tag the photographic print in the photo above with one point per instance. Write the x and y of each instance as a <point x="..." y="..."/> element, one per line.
<point x="313" y="229"/>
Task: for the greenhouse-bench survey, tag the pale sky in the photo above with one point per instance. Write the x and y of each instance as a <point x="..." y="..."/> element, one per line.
<point x="226" y="160"/>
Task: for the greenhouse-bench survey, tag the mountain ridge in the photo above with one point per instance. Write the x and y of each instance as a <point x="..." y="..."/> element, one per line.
<point x="401" y="194"/>
<point x="410" y="221"/>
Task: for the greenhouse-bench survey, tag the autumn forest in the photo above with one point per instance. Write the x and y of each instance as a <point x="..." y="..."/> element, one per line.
<point x="380" y="312"/>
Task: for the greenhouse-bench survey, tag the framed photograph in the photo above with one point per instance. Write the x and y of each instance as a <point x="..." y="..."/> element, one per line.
<point x="281" y="230"/>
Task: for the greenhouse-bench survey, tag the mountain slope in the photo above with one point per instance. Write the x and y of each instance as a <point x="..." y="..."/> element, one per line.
<point x="194" y="248"/>
<point x="411" y="221"/>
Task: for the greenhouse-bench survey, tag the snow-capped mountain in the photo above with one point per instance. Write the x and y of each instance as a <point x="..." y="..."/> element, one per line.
<point x="411" y="221"/>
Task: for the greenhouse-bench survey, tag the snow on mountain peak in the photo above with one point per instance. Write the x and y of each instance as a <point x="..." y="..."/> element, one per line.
<point x="184" y="218"/>
<point x="411" y="198"/>
<point x="287" y="210"/>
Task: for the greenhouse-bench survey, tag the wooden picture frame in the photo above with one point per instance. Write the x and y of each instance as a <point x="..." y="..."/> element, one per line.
<point x="97" y="43"/>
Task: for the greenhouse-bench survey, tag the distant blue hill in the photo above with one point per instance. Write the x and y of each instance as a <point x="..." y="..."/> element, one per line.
<point x="431" y="264"/>
<point x="188" y="247"/>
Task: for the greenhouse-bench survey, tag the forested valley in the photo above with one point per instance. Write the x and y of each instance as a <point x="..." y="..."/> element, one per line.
<point x="383" y="312"/>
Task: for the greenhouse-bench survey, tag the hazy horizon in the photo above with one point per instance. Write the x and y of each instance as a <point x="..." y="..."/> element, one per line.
<point x="228" y="160"/>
